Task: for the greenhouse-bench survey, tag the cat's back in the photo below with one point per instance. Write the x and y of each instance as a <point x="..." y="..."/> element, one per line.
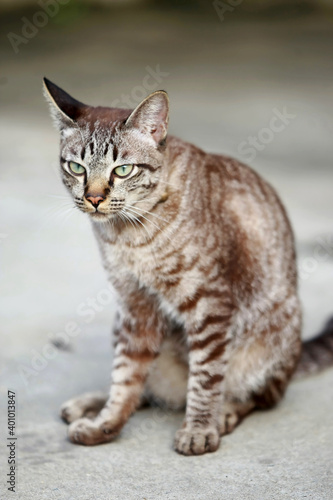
<point x="250" y="200"/>
<point x="235" y="206"/>
<point x="227" y="187"/>
<point x="259" y="231"/>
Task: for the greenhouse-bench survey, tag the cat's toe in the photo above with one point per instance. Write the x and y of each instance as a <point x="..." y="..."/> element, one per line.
<point x="228" y="423"/>
<point x="89" y="432"/>
<point x="84" y="431"/>
<point x="196" y="441"/>
<point x="70" y="412"/>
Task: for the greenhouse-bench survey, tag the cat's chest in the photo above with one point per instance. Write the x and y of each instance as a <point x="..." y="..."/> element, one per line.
<point x="171" y="270"/>
<point x="143" y="263"/>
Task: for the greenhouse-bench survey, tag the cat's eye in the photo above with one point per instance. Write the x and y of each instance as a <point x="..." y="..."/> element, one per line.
<point x="76" y="168"/>
<point x="123" y="170"/>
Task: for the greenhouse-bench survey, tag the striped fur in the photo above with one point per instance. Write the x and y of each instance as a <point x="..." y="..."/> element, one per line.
<point x="201" y="255"/>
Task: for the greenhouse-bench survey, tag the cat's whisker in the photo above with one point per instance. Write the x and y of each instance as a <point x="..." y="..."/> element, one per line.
<point x="142" y="224"/>
<point x="68" y="214"/>
<point x="56" y="212"/>
<point x="59" y="218"/>
<point x="153" y="253"/>
<point x="121" y="217"/>
<point x="123" y="212"/>
<point x="141" y="215"/>
<point x="109" y="222"/>
<point x="156" y="257"/>
<point x="61" y="203"/>
<point x="59" y="196"/>
<point x="65" y="219"/>
<point x="127" y="217"/>
<point x="148" y="212"/>
<point x="151" y="222"/>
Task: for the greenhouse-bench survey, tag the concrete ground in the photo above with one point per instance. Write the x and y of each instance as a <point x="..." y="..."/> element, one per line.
<point x="226" y="81"/>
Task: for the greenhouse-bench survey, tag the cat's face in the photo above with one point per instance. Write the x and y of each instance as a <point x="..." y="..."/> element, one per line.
<point x="111" y="159"/>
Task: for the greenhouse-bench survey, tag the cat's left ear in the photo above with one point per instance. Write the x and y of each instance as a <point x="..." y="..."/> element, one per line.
<point x="151" y="116"/>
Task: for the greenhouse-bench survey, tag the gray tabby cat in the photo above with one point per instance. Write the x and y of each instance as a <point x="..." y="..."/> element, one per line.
<point x="201" y="255"/>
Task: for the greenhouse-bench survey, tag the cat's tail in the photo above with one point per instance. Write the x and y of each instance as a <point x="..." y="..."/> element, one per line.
<point x="317" y="353"/>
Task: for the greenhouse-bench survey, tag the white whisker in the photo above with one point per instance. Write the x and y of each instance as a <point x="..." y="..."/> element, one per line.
<point x="151" y="222"/>
<point x="142" y="224"/>
<point x="148" y="212"/>
<point x="148" y="220"/>
<point x="131" y="221"/>
<point x="59" y="196"/>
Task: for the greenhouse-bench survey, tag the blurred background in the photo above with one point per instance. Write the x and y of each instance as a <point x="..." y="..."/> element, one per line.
<point x="248" y="78"/>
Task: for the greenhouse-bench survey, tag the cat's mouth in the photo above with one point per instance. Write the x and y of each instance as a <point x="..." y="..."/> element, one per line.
<point x="103" y="213"/>
<point x="102" y="208"/>
<point x="103" y="216"/>
<point x="97" y="214"/>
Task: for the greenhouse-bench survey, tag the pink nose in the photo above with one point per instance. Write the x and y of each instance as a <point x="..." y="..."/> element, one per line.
<point x="95" y="200"/>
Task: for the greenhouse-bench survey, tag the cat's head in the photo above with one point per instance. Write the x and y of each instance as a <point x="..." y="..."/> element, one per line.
<point x="110" y="159"/>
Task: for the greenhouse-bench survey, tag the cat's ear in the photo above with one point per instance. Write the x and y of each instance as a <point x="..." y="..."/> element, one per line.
<point x="151" y="116"/>
<point x="65" y="110"/>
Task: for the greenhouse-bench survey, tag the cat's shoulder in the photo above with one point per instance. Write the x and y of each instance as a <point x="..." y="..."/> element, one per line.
<point x="228" y="167"/>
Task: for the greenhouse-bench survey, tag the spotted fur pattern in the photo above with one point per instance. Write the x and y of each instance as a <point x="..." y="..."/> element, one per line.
<point x="201" y="255"/>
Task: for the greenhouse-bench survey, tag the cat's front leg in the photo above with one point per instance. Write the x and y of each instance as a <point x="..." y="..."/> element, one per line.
<point x="135" y="350"/>
<point x="128" y="377"/>
<point x="208" y="356"/>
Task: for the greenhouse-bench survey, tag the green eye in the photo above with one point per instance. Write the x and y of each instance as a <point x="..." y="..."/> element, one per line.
<point x="76" y="168"/>
<point x="124" y="170"/>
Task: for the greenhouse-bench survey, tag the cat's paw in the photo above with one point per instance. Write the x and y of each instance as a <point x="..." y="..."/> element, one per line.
<point x="90" y="432"/>
<point x="87" y="405"/>
<point x="196" y="441"/>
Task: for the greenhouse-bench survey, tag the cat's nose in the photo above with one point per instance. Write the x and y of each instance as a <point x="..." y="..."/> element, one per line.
<point x="95" y="200"/>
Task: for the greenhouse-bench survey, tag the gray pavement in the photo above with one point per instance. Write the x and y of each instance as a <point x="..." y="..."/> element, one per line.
<point x="226" y="81"/>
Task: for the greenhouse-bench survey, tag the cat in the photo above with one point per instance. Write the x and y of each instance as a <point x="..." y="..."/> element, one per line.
<point x="200" y="252"/>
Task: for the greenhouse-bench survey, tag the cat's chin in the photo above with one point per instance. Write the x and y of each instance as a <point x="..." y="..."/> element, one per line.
<point x="99" y="217"/>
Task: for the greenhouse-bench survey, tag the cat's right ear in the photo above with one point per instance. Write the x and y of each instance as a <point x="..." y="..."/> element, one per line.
<point x="65" y="110"/>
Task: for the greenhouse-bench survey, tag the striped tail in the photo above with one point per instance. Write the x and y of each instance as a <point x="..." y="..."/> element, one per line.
<point x="317" y="353"/>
